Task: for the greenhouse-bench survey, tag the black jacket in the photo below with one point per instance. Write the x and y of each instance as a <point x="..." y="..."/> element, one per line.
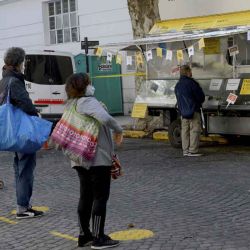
<point x="190" y="96"/>
<point x="19" y="96"/>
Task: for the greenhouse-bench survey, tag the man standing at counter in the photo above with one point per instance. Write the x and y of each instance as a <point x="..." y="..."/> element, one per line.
<point x="190" y="97"/>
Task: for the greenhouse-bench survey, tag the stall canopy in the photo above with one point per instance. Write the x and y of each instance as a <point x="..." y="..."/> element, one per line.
<point x="192" y="28"/>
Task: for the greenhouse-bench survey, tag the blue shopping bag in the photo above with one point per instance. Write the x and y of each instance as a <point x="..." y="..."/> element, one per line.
<point x="20" y="132"/>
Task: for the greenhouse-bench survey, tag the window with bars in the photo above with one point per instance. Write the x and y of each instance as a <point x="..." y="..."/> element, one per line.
<point x="63" y="21"/>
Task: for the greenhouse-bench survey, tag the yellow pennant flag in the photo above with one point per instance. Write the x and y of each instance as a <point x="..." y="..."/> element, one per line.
<point x="118" y="59"/>
<point x="159" y="52"/>
<point x="179" y="54"/>
<point x="139" y="59"/>
<point x="99" y="52"/>
<point x="201" y="43"/>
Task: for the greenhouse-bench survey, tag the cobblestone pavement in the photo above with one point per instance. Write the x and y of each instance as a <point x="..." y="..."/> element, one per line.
<point x="188" y="203"/>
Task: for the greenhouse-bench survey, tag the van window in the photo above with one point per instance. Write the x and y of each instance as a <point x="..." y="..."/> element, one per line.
<point x="48" y="69"/>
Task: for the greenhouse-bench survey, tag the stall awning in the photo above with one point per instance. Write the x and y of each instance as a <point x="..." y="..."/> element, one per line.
<point x="191" y="28"/>
<point x="212" y="22"/>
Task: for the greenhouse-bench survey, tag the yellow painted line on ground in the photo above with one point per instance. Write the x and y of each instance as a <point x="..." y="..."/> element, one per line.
<point x="6" y="220"/>
<point x="119" y="75"/>
<point x="132" y="234"/>
<point x="64" y="236"/>
<point x="43" y="209"/>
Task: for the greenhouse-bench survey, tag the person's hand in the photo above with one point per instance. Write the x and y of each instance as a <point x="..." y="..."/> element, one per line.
<point x="118" y="138"/>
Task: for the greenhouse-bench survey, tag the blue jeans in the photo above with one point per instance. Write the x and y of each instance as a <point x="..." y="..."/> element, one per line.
<point x="24" y="165"/>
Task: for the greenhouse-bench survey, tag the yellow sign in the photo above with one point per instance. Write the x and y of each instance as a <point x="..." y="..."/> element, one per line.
<point x="119" y="59"/>
<point x="201" y="43"/>
<point x="159" y="52"/>
<point x="99" y="52"/>
<point x="245" y="89"/>
<point x="202" y="22"/>
<point x="139" y="110"/>
<point x="212" y="46"/>
<point x="139" y="59"/>
<point x="179" y="54"/>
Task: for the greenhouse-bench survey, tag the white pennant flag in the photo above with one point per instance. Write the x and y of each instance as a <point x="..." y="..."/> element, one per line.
<point x="129" y="60"/>
<point x="149" y="55"/>
<point x="169" y="55"/>
<point x="109" y="57"/>
<point x="191" y="51"/>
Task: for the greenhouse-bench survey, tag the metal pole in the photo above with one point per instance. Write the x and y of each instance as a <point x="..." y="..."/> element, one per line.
<point x="86" y="53"/>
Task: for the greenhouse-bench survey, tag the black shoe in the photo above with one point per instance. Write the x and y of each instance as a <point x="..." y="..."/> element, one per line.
<point x="29" y="213"/>
<point x="104" y="242"/>
<point x="85" y="240"/>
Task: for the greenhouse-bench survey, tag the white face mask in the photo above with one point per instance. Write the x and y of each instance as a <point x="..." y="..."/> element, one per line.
<point x="90" y="90"/>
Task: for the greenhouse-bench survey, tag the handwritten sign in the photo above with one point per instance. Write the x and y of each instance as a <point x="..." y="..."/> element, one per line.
<point x="233" y="50"/>
<point x="139" y="110"/>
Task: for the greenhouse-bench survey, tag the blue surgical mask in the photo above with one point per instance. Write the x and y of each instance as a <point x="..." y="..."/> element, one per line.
<point x="90" y="90"/>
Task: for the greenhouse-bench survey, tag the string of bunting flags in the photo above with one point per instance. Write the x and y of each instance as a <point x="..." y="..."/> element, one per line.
<point x="148" y="55"/>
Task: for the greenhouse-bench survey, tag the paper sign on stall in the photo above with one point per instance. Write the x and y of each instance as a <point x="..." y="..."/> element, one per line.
<point x="119" y="59"/>
<point x="149" y="55"/>
<point x="109" y="57"/>
<point x="245" y="89"/>
<point x="231" y="99"/>
<point x="201" y="43"/>
<point x="233" y="50"/>
<point x="190" y="51"/>
<point x="215" y="84"/>
<point x="248" y="35"/>
<point x="129" y="60"/>
<point x="159" y="52"/>
<point x="179" y="55"/>
<point x="169" y="55"/>
<point x="233" y="84"/>
<point x="139" y="110"/>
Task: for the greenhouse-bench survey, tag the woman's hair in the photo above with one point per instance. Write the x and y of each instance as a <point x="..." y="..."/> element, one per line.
<point x="14" y="57"/>
<point x="76" y="85"/>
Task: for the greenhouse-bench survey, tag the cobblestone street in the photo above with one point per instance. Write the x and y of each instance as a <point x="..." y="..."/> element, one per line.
<point x="188" y="203"/>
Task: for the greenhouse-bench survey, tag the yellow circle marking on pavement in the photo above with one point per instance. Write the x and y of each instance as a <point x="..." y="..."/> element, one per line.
<point x="132" y="234"/>
<point x="43" y="209"/>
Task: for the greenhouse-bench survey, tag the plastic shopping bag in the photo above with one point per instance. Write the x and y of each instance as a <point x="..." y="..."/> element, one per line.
<point x="20" y="132"/>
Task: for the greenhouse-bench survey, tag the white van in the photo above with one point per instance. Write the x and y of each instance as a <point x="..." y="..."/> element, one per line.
<point x="45" y="75"/>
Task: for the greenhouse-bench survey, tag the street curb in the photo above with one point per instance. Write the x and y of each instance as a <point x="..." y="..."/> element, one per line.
<point x="163" y="135"/>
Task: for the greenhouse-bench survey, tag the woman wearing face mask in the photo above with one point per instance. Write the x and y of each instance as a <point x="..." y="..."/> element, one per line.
<point x="24" y="164"/>
<point x="94" y="180"/>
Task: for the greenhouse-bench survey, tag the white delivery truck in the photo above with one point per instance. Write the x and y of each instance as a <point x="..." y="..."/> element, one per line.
<point x="45" y="76"/>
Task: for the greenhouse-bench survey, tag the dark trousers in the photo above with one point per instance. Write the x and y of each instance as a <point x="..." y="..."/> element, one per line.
<point x="94" y="194"/>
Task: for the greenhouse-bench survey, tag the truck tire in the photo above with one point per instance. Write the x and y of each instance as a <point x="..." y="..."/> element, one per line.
<point x="174" y="133"/>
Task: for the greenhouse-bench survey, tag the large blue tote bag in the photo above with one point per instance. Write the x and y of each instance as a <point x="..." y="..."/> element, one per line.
<point x="20" y="132"/>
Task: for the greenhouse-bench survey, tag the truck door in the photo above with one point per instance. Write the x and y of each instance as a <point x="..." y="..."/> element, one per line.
<point x="61" y="68"/>
<point x="38" y="80"/>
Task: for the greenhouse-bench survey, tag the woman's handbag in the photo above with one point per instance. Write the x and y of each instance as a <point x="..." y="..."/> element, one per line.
<point x="76" y="135"/>
<point x="116" y="168"/>
<point x="20" y="132"/>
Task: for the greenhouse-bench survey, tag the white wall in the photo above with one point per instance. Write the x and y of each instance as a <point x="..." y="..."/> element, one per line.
<point x="23" y="23"/>
<point x="172" y="9"/>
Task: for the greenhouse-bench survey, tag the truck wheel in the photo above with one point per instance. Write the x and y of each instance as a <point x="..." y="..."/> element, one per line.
<point x="174" y="133"/>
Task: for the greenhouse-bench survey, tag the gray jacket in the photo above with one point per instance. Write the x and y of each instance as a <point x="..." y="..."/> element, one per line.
<point x="90" y="106"/>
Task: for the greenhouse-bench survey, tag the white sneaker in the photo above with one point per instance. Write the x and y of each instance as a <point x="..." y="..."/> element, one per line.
<point x="194" y="154"/>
